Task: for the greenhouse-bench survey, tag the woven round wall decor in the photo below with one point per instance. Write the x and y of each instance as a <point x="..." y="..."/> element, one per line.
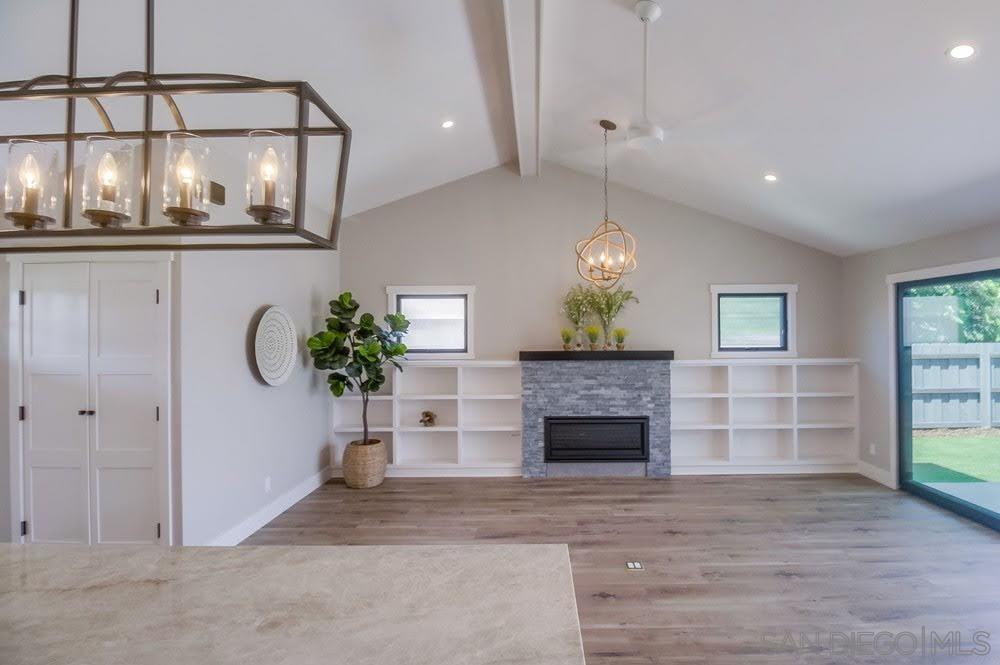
<point x="276" y="346"/>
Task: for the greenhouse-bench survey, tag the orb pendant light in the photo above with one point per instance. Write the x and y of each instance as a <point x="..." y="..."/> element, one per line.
<point x="609" y="253"/>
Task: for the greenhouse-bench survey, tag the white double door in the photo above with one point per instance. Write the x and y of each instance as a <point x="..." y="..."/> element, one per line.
<point x="94" y="342"/>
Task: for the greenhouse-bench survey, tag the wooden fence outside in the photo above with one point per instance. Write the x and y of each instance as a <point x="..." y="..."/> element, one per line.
<point x="956" y="385"/>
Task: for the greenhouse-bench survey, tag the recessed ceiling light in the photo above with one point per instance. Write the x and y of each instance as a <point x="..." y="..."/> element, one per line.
<point x="962" y="51"/>
<point x="447" y="124"/>
<point x="770" y="177"/>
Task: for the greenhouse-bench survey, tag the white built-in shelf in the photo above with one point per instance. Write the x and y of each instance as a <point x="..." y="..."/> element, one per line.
<point x="504" y="396"/>
<point x="728" y="416"/>
<point x="765" y="425"/>
<point x="830" y="425"/>
<point x="764" y="416"/>
<point x="478" y="409"/>
<point x="423" y="429"/>
<point x="359" y="428"/>
<point x="427" y="397"/>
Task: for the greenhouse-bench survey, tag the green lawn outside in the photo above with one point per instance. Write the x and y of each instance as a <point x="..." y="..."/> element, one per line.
<point x="955" y="456"/>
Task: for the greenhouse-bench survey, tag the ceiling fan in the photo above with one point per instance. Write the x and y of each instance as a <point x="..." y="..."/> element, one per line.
<point x="645" y="134"/>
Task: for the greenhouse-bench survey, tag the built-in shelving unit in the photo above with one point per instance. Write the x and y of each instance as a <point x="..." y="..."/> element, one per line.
<point x="764" y="416"/>
<point x="728" y="417"/>
<point x="478" y="427"/>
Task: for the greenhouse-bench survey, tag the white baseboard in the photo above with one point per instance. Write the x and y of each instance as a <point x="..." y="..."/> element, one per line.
<point x="443" y="471"/>
<point x="878" y="474"/>
<point x="247" y="527"/>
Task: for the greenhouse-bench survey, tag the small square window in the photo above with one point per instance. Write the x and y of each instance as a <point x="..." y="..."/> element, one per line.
<point x="753" y="320"/>
<point x="440" y="320"/>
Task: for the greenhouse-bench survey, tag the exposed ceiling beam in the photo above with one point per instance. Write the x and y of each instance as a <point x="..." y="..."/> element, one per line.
<point x="523" y="20"/>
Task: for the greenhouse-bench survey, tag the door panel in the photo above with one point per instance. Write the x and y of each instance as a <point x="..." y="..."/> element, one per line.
<point x="124" y="433"/>
<point x="58" y="512"/>
<point x="126" y="500"/>
<point x="126" y="417"/>
<point x="55" y="390"/>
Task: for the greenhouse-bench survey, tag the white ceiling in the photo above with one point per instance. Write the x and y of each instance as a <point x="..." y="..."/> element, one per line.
<point x="877" y="136"/>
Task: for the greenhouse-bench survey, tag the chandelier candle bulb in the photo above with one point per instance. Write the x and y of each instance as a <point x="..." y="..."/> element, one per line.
<point x="28" y="202"/>
<point x="108" y="172"/>
<point x="269" y="177"/>
<point x="28" y="175"/>
<point x="107" y="196"/>
<point x="185" y="180"/>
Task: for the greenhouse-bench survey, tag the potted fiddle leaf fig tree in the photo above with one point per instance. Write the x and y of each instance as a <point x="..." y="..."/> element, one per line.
<point x="355" y="353"/>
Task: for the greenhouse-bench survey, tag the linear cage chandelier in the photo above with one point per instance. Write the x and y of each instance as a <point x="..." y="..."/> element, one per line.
<point x="609" y="253"/>
<point x="99" y="188"/>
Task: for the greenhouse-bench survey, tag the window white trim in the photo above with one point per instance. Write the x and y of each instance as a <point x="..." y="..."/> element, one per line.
<point x="468" y="291"/>
<point x="790" y="291"/>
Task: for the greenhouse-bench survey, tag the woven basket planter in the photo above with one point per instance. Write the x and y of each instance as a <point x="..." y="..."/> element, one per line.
<point x="364" y="464"/>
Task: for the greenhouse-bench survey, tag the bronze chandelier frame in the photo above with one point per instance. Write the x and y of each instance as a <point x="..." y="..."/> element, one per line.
<point x="147" y="84"/>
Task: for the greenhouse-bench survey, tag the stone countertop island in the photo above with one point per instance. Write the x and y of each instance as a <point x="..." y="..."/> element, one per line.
<point x="403" y="605"/>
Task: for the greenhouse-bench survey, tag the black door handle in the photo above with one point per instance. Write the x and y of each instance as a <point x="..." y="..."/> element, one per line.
<point x="86" y="412"/>
<point x="81" y="412"/>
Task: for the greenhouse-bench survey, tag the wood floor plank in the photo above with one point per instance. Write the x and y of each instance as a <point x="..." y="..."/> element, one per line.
<point x="728" y="561"/>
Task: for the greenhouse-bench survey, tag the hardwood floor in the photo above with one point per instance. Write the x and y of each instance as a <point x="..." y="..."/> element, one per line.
<point x="736" y="568"/>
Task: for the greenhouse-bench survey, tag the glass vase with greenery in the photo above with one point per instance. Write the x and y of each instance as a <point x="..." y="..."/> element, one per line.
<point x="607" y="305"/>
<point x="576" y="307"/>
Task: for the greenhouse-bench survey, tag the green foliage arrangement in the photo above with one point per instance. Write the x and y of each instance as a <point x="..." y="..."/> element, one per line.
<point x="576" y="305"/>
<point x="593" y="334"/>
<point x="620" y="335"/>
<point x="357" y="352"/>
<point x="567" y="335"/>
<point x="607" y="305"/>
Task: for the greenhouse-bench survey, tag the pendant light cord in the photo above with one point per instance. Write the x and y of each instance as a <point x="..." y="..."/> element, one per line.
<point x="645" y="69"/>
<point x="605" y="176"/>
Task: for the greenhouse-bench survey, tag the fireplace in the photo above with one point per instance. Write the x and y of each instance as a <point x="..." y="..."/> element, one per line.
<point x="595" y="413"/>
<point x="596" y="439"/>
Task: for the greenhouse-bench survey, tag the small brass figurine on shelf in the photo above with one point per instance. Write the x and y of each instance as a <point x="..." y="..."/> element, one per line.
<point x="428" y="418"/>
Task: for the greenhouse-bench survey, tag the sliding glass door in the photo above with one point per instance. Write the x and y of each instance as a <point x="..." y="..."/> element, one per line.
<point x="948" y="337"/>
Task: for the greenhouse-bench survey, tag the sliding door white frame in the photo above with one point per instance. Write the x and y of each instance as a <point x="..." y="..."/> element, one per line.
<point x="166" y="457"/>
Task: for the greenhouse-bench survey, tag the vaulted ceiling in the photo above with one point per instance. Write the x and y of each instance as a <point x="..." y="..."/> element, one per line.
<point x="876" y="135"/>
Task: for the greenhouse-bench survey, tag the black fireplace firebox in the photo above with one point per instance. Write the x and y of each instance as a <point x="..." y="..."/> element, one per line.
<point x="596" y="439"/>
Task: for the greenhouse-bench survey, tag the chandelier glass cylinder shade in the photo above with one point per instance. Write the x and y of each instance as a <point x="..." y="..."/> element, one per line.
<point x="185" y="179"/>
<point x="270" y="177"/>
<point x="107" y="182"/>
<point x="142" y="159"/>
<point x="609" y="253"/>
<point x="30" y="187"/>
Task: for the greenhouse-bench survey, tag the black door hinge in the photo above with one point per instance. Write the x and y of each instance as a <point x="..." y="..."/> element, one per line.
<point x="157" y="296"/>
<point x="24" y="527"/>
<point x="157" y="530"/>
<point x="22" y="297"/>
<point x="22" y="413"/>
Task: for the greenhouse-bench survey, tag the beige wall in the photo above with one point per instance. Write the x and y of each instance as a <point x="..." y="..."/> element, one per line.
<point x="235" y="431"/>
<point x="513" y="239"/>
<point x="867" y="328"/>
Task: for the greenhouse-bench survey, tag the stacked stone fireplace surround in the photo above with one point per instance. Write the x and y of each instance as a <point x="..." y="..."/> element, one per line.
<point x="595" y="383"/>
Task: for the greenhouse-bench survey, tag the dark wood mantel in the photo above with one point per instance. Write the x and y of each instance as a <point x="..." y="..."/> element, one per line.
<point x="595" y="355"/>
